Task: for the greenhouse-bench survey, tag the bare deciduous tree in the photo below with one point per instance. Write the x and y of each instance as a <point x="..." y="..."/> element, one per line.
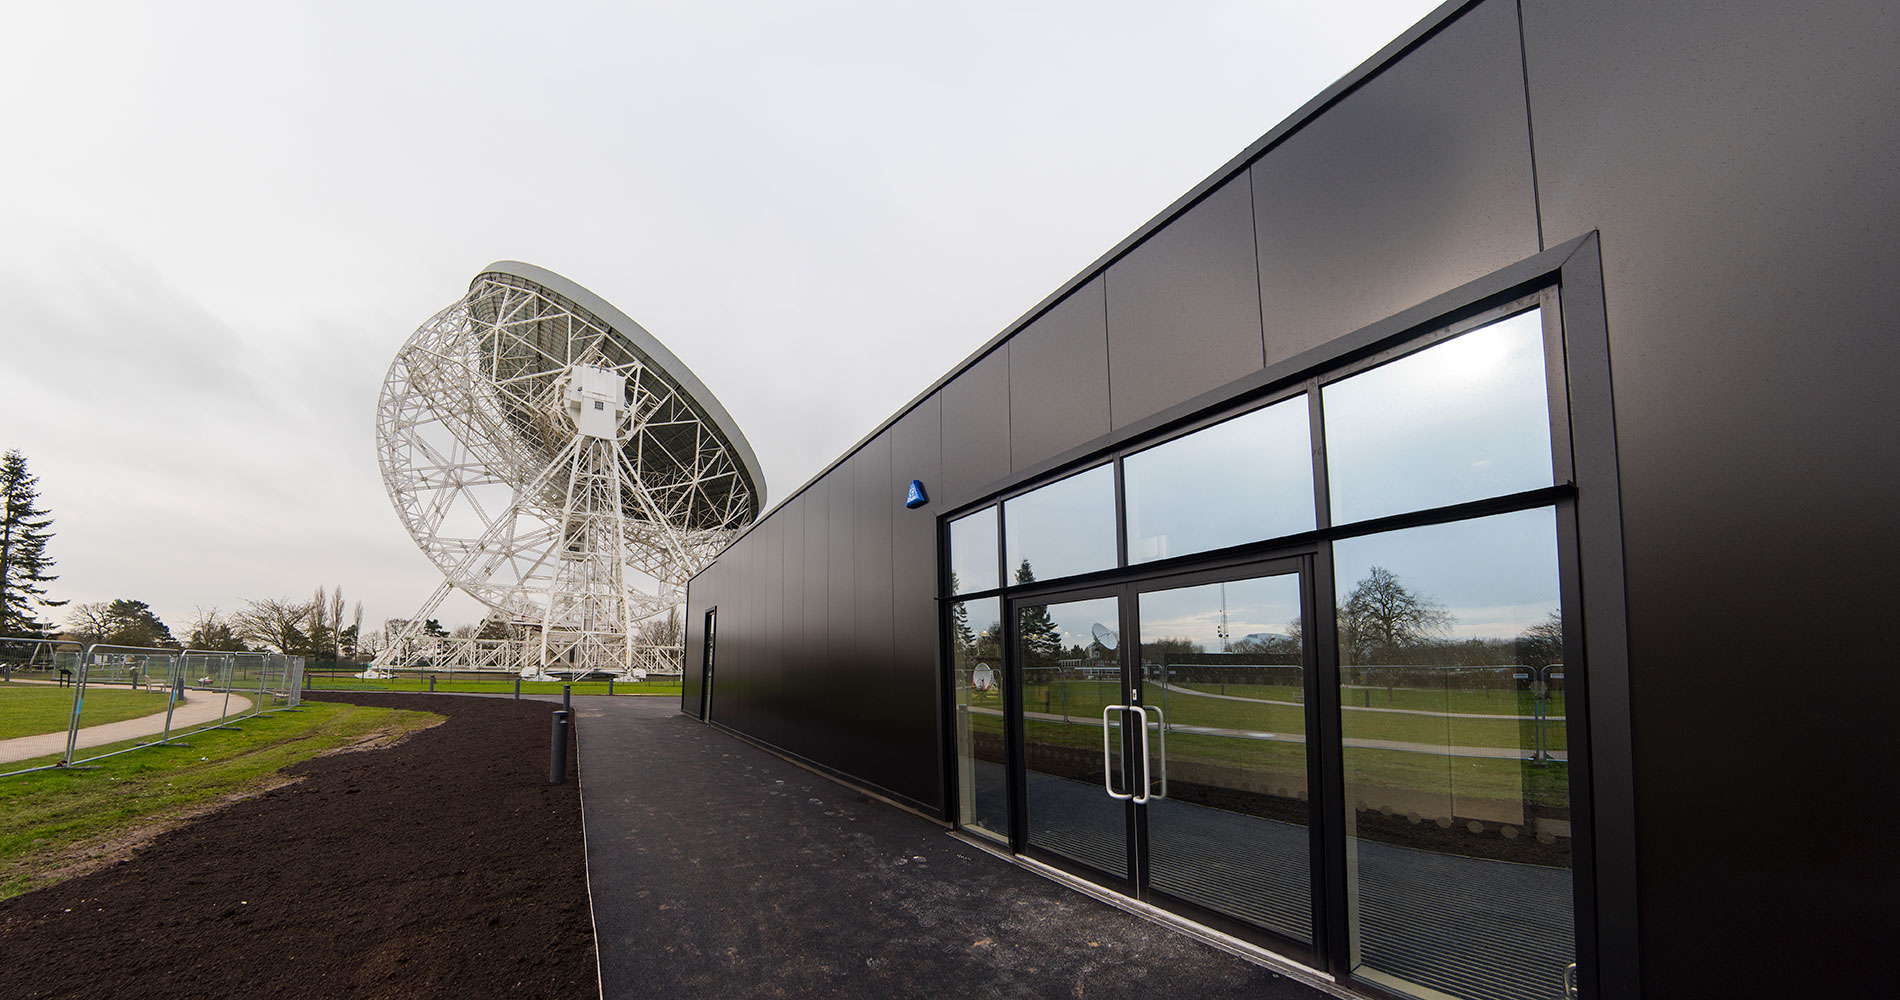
<point x="1381" y="616"/>
<point x="275" y="623"/>
<point x="211" y="630"/>
<point x="89" y="622"/>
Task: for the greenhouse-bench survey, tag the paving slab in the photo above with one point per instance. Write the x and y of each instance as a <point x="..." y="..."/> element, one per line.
<point x="720" y="870"/>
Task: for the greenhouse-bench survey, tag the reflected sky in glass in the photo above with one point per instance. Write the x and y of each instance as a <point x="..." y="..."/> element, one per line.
<point x="1259" y="608"/>
<point x="1238" y="481"/>
<point x="1461" y="420"/>
<point x="1497" y="576"/>
<point x="1064" y="528"/>
<point x="973" y="552"/>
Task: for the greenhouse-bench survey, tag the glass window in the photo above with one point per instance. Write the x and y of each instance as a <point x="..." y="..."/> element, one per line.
<point x="1456" y="766"/>
<point x="1064" y="528"/>
<point x="1238" y="481"/>
<point x="973" y="552"/>
<point x="1461" y="420"/>
<point x="976" y="636"/>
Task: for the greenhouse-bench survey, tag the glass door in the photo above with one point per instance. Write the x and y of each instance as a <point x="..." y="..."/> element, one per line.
<point x="1174" y="765"/>
<point x="1224" y="677"/>
<point x="1069" y="701"/>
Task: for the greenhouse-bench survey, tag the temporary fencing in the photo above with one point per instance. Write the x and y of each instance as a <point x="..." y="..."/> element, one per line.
<point x="241" y="685"/>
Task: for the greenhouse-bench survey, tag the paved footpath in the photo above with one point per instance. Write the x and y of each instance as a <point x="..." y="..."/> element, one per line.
<point x="199" y="707"/>
<point x="719" y="870"/>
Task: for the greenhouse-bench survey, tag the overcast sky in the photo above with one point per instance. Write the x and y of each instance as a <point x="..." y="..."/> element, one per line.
<point x="218" y="221"/>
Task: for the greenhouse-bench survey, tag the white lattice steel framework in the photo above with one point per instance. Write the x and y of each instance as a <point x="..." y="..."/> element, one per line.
<point x="557" y="463"/>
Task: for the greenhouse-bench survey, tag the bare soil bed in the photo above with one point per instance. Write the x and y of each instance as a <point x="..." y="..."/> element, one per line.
<point x="444" y="866"/>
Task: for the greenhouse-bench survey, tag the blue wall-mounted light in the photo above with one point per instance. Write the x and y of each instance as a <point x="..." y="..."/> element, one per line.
<point x="917" y="497"/>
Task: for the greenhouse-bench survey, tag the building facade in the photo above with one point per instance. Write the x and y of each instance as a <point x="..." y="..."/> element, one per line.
<point x="1387" y="555"/>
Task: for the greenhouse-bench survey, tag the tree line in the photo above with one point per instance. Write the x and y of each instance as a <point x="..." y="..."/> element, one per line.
<point x="1380" y="621"/>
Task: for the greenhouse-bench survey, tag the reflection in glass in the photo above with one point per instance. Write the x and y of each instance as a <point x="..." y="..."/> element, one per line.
<point x="1461" y="420"/>
<point x="1223" y="664"/>
<point x="1238" y="481"/>
<point x="1064" y="528"/>
<point x="976" y="635"/>
<point x="1456" y="765"/>
<point x="973" y="544"/>
<point x="1070" y="672"/>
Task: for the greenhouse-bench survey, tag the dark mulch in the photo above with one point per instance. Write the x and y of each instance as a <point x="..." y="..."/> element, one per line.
<point x="446" y="866"/>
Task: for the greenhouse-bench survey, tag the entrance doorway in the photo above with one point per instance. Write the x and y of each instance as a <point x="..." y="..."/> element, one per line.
<point x="1160" y="729"/>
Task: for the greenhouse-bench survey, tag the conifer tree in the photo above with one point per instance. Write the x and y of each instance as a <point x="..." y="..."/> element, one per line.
<point x="23" y="561"/>
<point x="1041" y="640"/>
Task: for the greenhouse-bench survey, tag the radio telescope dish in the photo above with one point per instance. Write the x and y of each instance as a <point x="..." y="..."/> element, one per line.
<point x="1105" y="636"/>
<point x="560" y="465"/>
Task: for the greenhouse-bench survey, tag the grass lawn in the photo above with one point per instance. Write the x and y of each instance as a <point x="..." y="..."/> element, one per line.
<point x="1498" y="778"/>
<point x="32" y="709"/>
<point x="487" y="684"/>
<point x="60" y="820"/>
<point x="1277" y="709"/>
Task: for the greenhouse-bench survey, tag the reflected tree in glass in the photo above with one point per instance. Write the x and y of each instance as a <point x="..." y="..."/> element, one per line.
<point x="1455" y="760"/>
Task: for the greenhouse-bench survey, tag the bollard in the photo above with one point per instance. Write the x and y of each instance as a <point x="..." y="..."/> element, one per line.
<point x="517" y="689"/>
<point x="610" y="686"/>
<point x="567" y="697"/>
<point x="557" y="750"/>
<point x="432" y="685"/>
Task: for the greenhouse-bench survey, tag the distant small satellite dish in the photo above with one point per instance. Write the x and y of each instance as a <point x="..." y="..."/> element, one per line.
<point x="983" y="678"/>
<point x="1105" y="636"/>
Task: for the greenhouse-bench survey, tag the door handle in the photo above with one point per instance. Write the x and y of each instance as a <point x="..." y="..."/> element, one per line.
<point x="1161" y="740"/>
<point x="1143" y="795"/>
<point x="1108" y="765"/>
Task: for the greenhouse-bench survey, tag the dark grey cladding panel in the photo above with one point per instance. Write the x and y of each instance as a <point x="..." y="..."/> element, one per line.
<point x="1414" y="183"/>
<point x="1184" y="308"/>
<point x="793" y="656"/>
<point x="895" y="707"/>
<point x="842" y="580"/>
<point x="1739" y="161"/>
<point x="976" y="427"/>
<point x="871" y="477"/>
<point x="773" y="717"/>
<point x="916" y="453"/>
<point x="744" y="674"/>
<point x="815" y="650"/>
<point x="1058" y="379"/>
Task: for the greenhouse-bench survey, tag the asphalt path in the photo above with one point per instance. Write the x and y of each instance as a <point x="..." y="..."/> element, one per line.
<point x="718" y="870"/>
